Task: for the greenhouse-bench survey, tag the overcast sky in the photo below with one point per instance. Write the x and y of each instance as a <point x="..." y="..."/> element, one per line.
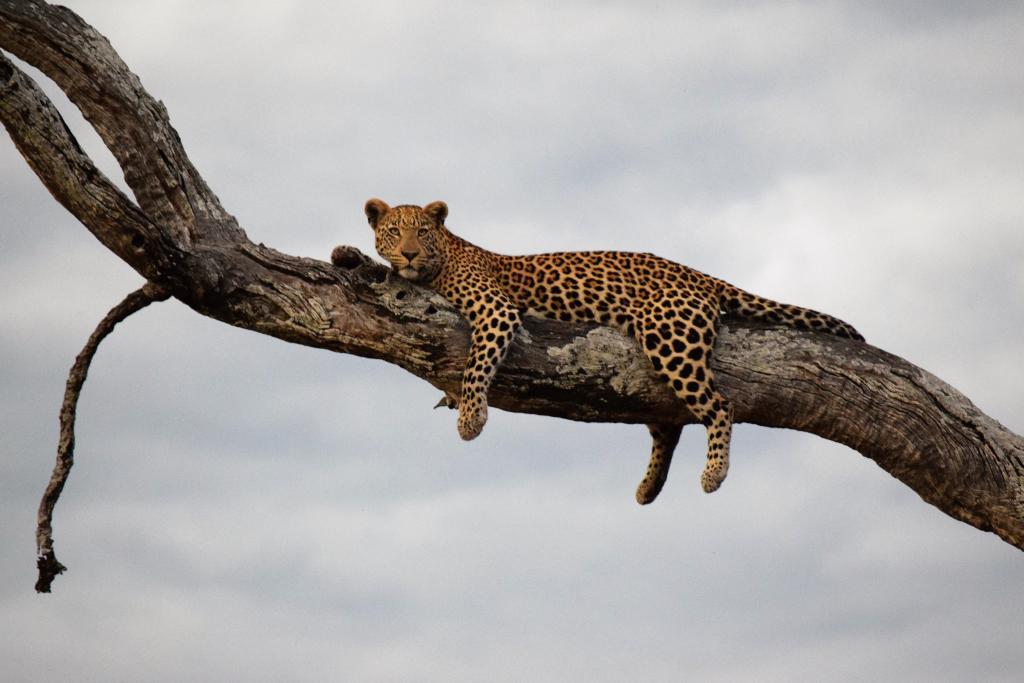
<point x="243" y="509"/>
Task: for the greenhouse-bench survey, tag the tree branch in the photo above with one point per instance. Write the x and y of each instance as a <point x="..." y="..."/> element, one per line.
<point x="132" y="124"/>
<point x="46" y="559"/>
<point x="47" y="144"/>
<point x="910" y="423"/>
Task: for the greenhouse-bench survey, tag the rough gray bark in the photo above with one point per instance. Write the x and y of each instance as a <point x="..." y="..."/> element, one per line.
<point x="177" y="234"/>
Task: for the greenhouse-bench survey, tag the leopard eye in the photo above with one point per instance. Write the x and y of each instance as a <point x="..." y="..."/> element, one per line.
<point x="394" y="231"/>
<point x="422" y="232"/>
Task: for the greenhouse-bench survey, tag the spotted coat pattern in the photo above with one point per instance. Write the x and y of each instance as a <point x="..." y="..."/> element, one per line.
<point x="671" y="310"/>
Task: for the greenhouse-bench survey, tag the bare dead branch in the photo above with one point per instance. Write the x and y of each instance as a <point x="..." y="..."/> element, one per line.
<point x="133" y="125"/>
<point x="46" y="559"/>
<point x="910" y="423"/>
<point x="43" y="138"/>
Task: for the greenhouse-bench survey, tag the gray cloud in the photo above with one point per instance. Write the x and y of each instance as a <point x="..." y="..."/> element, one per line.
<point x="246" y="508"/>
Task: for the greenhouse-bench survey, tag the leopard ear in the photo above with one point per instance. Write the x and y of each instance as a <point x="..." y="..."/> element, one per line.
<point x="437" y="210"/>
<point x="375" y="210"/>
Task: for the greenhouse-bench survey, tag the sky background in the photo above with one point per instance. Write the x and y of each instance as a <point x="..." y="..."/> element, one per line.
<point x="245" y="509"/>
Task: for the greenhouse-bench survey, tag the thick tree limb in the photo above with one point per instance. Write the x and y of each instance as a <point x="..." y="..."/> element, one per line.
<point x="45" y="141"/>
<point x="133" y="125"/>
<point x="913" y="425"/>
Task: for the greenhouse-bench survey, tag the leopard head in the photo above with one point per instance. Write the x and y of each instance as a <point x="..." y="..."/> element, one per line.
<point x="411" y="238"/>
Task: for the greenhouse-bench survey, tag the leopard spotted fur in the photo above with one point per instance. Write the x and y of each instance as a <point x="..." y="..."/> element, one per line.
<point x="671" y="310"/>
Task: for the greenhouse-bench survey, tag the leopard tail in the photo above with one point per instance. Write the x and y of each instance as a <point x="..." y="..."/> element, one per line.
<point x="739" y="302"/>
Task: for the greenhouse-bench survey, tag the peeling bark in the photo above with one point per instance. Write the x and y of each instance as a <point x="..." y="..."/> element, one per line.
<point x="177" y="234"/>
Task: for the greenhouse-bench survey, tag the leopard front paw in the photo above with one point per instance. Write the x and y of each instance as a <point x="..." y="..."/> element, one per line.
<point x="472" y="421"/>
<point x="345" y="256"/>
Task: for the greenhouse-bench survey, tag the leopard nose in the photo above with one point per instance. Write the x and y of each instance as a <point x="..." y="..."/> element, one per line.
<point x="409" y="255"/>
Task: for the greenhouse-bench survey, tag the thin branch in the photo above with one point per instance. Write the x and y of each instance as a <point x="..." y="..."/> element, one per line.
<point x="46" y="559"/>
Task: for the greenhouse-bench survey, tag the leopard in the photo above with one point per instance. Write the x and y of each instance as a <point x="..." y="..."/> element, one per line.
<point x="672" y="311"/>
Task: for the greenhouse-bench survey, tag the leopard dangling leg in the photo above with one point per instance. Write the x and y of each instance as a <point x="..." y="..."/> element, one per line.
<point x="665" y="438"/>
<point x="678" y="335"/>
<point x="717" y="419"/>
<point x="493" y="328"/>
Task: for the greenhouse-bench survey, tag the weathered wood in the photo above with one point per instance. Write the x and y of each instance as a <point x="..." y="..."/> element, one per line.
<point x="912" y="424"/>
<point x="46" y="559"/>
